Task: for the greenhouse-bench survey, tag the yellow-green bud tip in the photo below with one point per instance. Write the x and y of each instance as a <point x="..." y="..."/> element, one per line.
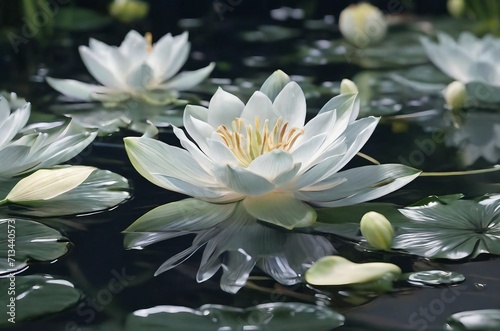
<point x="347" y="86"/>
<point x="377" y="230"/>
<point x="455" y="95"/>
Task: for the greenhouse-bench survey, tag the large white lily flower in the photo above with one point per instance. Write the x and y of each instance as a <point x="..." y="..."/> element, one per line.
<point x="470" y="60"/>
<point x="136" y="69"/>
<point x="264" y="155"/>
<point x="24" y="149"/>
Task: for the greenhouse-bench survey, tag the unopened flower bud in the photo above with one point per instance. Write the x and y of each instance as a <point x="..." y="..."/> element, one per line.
<point x="456" y="8"/>
<point x="128" y="10"/>
<point x="362" y="24"/>
<point x="347" y="86"/>
<point x="455" y="95"/>
<point x="377" y="230"/>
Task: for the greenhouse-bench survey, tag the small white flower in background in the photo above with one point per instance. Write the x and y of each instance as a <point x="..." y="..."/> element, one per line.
<point x="265" y="155"/>
<point x="456" y="8"/>
<point x="470" y="60"/>
<point x="136" y="69"/>
<point x="455" y="95"/>
<point x="362" y="24"/>
<point x="24" y="149"/>
<point x="128" y="10"/>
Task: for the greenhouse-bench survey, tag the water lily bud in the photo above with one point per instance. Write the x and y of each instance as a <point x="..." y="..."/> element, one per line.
<point x="377" y="230"/>
<point x="455" y="95"/>
<point x="362" y="24"/>
<point x="456" y="8"/>
<point x="128" y="10"/>
<point x="347" y="86"/>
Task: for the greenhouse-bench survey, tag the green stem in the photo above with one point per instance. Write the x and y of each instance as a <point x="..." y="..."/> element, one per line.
<point x="460" y="173"/>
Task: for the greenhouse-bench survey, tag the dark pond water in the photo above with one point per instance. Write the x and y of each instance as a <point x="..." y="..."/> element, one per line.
<point x="98" y="253"/>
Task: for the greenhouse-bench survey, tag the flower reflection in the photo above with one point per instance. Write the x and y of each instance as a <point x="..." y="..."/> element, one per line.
<point x="232" y="239"/>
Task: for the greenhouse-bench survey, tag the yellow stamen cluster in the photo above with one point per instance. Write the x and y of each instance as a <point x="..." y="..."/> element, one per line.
<point x="251" y="141"/>
<point x="149" y="38"/>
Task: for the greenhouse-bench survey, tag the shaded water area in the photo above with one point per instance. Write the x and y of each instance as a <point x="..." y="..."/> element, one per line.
<point x="411" y="132"/>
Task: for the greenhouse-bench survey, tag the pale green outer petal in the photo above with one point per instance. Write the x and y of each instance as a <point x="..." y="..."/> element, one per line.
<point x="260" y="106"/>
<point x="361" y="184"/>
<point x="140" y="78"/>
<point x="47" y="184"/>
<point x="97" y="69"/>
<point x="73" y="88"/>
<point x="188" y="215"/>
<point x="242" y="180"/>
<point x="345" y="104"/>
<point x="290" y="104"/>
<point x="188" y="79"/>
<point x="271" y="165"/>
<point x="224" y="108"/>
<point x="280" y="209"/>
<point x="274" y="84"/>
<point x="154" y="159"/>
<point x="15" y="122"/>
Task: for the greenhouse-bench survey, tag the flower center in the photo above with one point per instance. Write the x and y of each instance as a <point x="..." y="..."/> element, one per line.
<point x="149" y="38"/>
<point x="251" y="141"/>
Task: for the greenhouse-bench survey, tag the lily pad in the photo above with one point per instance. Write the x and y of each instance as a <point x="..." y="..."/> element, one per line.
<point x="37" y="296"/>
<point x="455" y="230"/>
<point x="474" y="320"/>
<point x="102" y="190"/>
<point x="30" y="241"/>
<point x="278" y="316"/>
<point x="435" y="277"/>
<point x="338" y="271"/>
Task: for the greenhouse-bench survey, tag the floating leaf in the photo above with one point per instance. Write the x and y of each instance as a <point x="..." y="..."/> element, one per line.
<point x="278" y="316"/>
<point x="456" y="230"/>
<point x="474" y="320"/>
<point x="37" y="296"/>
<point x="46" y="184"/>
<point x="31" y="241"/>
<point x="337" y="271"/>
<point x="80" y="19"/>
<point x="102" y="190"/>
<point x="435" y="277"/>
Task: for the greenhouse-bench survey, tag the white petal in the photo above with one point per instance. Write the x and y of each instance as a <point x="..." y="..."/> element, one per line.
<point x="73" y="88"/>
<point x="290" y="103"/>
<point x="195" y="152"/>
<point x="96" y="68"/>
<point x="4" y="110"/>
<point x="198" y="130"/>
<point x="178" y="55"/>
<point x="271" y="165"/>
<point x="153" y="159"/>
<point x="13" y="161"/>
<point x="219" y="153"/>
<point x="15" y="122"/>
<point x="188" y="79"/>
<point x="260" y="106"/>
<point x="159" y="58"/>
<point x="134" y="48"/>
<point x="314" y="174"/>
<point x="224" y="108"/>
<point x="280" y="209"/>
<point x="274" y="84"/>
<point x="361" y="184"/>
<point x="140" y="78"/>
<point x="110" y="56"/>
<point x="243" y="181"/>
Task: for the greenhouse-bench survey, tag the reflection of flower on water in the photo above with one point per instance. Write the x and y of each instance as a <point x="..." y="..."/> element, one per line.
<point x="477" y="136"/>
<point x="233" y="240"/>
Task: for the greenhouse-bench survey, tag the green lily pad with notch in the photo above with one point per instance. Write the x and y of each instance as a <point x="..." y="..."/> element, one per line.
<point x="474" y="320"/>
<point x="277" y="316"/>
<point x="451" y="228"/>
<point x="32" y="242"/>
<point x="36" y="296"/>
<point x="102" y="190"/>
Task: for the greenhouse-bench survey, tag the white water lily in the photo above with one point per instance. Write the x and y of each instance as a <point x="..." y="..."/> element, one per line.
<point x="24" y="149"/>
<point x="264" y="155"/>
<point x="470" y="60"/>
<point x="136" y="69"/>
